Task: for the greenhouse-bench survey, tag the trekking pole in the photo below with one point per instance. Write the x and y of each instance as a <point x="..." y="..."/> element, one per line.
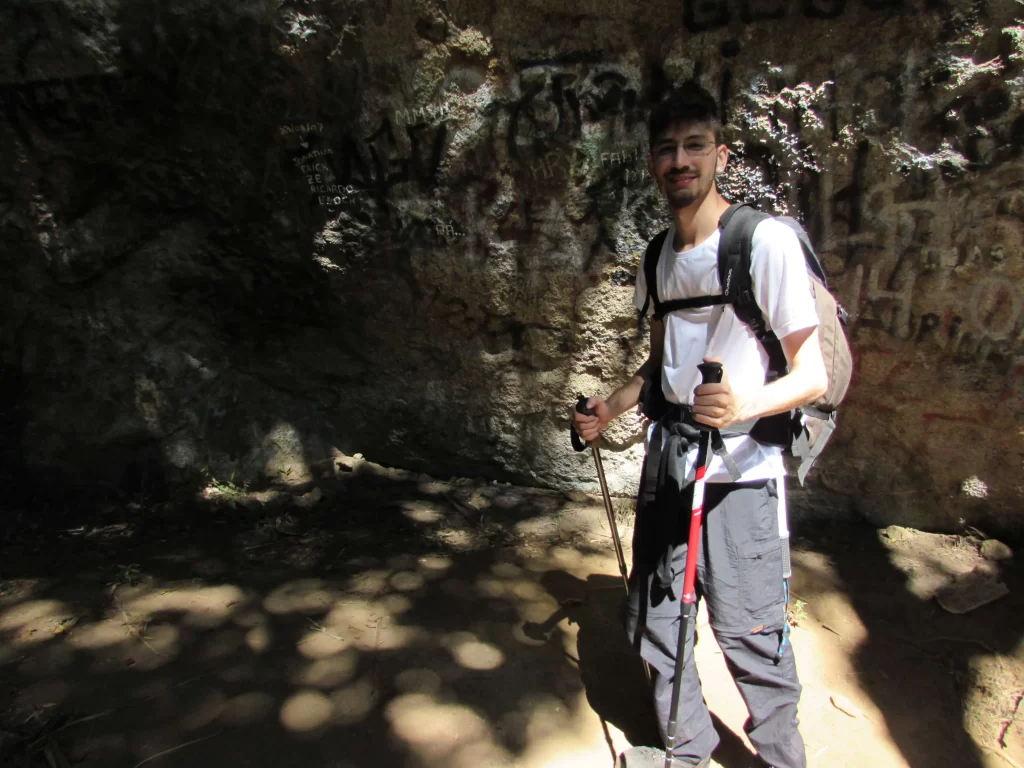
<point x="711" y="373"/>
<point x="579" y="445"/>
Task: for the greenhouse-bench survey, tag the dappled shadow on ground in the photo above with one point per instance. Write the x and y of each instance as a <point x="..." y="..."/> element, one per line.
<point x="384" y="626"/>
<point x="400" y="621"/>
<point x="612" y="675"/>
<point x="916" y="665"/>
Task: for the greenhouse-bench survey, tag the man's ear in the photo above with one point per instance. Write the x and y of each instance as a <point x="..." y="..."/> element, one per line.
<point x="723" y="157"/>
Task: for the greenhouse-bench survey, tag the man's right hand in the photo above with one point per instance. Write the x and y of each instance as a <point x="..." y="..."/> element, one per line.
<point x="590" y="426"/>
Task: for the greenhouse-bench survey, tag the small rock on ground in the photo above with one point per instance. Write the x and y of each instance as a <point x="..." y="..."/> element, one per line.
<point x="896" y="533"/>
<point x="972" y="590"/>
<point x="309" y="500"/>
<point x="995" y="550"/>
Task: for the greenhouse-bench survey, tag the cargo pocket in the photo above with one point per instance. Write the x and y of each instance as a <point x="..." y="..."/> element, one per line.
<point x="762" y="580"/>
<point x="761" y="561"/>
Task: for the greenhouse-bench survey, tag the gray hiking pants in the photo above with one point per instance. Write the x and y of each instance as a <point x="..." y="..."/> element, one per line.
<point x="739" y="573"/>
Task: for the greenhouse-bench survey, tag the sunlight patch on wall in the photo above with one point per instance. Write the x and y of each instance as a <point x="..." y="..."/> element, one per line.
<point x="285" y="450"/>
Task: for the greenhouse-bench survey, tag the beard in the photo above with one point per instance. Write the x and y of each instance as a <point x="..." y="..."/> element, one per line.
<point x="684" y="198"/>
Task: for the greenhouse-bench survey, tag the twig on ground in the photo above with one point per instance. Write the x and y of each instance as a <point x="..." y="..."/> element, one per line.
<point x="133" y="630"/>
<point x="318" y="627"/>
<point x="88" y="718"/>
<point x="175" y="749"/>
<point x="54" y="756"/>
<point x="975" y="532"/>
<point x="137" y="633"/>
<point x="37" y="712"/>
<point x="175" y="588"/>
<point x="376" y="656"/>
<point x="105" y="713"/>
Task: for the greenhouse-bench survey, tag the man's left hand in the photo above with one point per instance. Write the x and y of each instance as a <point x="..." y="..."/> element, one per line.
<point x="716" y="404"/>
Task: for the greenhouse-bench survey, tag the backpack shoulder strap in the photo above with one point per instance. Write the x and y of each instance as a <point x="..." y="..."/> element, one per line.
<point x="734" y="247"/>
<point x="650" y="267"/>
<point x="734" y="256"/>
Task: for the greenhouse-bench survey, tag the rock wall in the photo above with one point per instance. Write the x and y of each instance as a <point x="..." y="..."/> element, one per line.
<point x="237" y="237"/>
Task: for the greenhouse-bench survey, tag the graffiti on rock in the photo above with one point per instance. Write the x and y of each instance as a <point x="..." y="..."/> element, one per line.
<point x="708" y="15"/>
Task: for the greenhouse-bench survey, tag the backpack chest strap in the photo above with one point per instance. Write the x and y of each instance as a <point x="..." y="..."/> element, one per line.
<point x="662" y="308"/>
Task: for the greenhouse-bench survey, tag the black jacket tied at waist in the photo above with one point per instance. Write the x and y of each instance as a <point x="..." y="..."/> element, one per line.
<point x="664" y="481"/>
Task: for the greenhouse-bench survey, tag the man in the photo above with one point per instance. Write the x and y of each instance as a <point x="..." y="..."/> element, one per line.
<point x="739" y="561"/>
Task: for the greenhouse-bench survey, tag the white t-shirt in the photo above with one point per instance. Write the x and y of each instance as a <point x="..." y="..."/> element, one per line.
<point x="781" y="290"/>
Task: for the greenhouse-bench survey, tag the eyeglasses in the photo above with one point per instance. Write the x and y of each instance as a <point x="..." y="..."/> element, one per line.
<point x="693" y="148"/>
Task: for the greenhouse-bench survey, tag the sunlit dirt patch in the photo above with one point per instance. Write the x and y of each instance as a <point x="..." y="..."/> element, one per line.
<point x="353" y="702"/>
<point x="303" y="596"/>
<point x="305" y="711"/>
<point x="259" y="639"/>
<point x="444" y="734"/>
<point x="330" y="672"/>
<point x="19" y="618"/>
<point x="472" y="653"/>
<point x="426" y="512"/>
<point x="407" y="581"/>
<point x="434" y="566"/>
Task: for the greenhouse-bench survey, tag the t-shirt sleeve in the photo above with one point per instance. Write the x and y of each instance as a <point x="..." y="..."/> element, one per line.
<point x="780" y="281"/>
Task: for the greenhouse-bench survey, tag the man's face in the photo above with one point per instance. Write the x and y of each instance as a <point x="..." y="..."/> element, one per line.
<point x="684" y="161"/>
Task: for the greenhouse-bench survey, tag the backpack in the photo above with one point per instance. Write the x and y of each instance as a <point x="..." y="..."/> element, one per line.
<point x="804" y="431"/>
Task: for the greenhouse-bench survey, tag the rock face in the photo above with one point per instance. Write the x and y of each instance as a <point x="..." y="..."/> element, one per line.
<point x="238" y="236"/>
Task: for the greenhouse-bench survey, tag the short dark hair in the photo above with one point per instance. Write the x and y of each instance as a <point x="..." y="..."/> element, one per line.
<point x="689" y="104"/>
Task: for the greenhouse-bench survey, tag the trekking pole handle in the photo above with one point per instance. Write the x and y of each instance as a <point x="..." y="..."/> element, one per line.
<point x="581" y="407"/>
<point x="711" y="373"/>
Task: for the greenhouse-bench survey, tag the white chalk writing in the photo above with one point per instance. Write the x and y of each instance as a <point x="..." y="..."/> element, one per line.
<point x="428" y="114"/>
<point x="287" y="130"/>
<point x="312" y="156"/>
<point x="620" y="158"/>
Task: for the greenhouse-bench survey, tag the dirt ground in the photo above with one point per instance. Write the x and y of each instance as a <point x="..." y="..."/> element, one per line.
<point x="389" y="619"/>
